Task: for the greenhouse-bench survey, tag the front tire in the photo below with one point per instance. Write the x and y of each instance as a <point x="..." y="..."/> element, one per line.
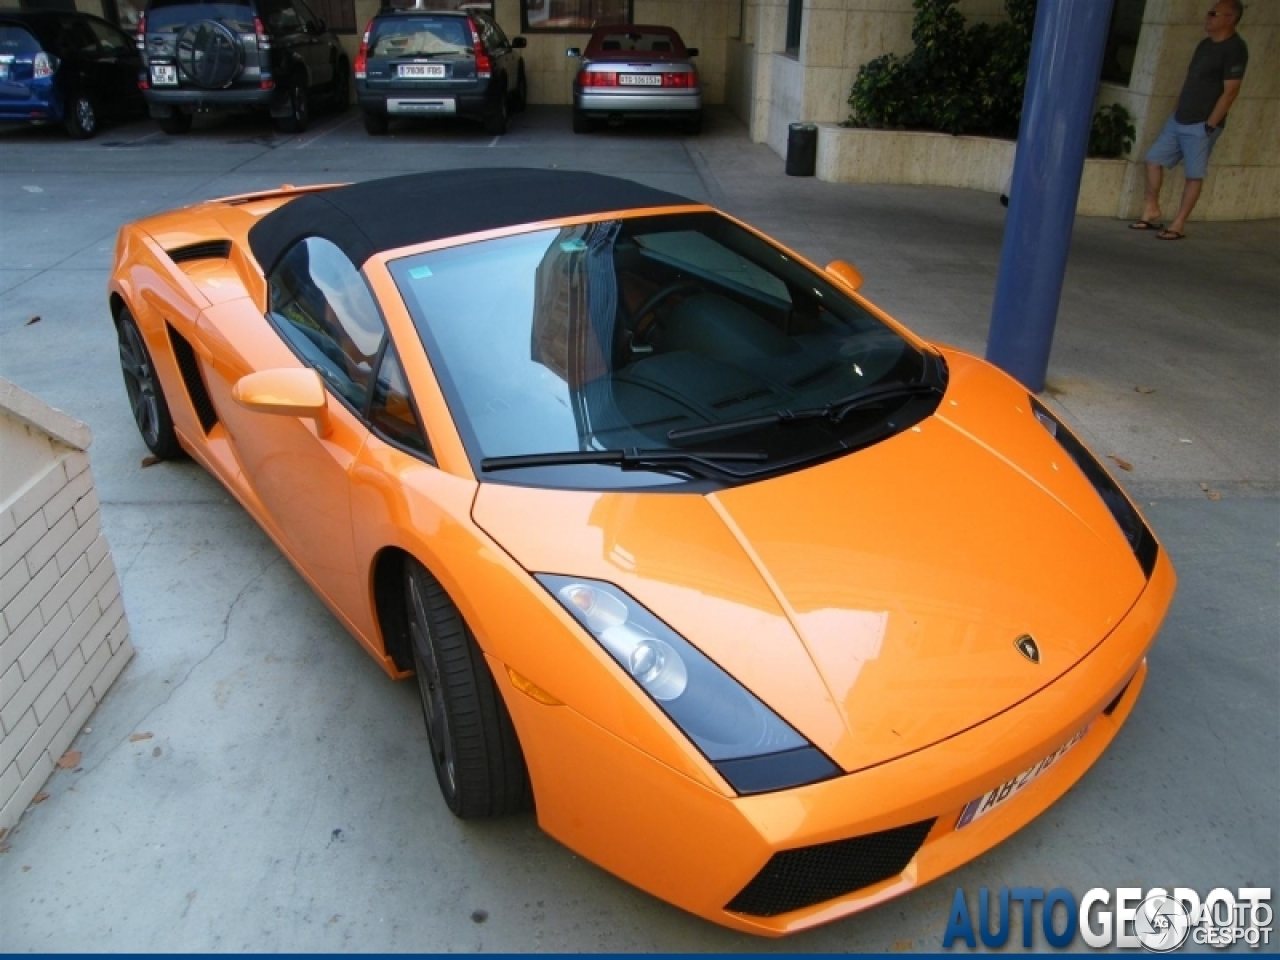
<point x="81" y="118"/>
<point x="474" y="750"/>
<point x="299" y="116"/>
<point x="146" y="397"/>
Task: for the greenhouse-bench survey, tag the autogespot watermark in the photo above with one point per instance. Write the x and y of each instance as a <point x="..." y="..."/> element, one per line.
<point x="1156" y="920"/>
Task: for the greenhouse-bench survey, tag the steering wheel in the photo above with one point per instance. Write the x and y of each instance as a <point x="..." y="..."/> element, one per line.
<point x="642" y="327"/>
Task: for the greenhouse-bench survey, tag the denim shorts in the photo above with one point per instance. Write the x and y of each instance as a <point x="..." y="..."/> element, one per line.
<point x="1187" y="142"/>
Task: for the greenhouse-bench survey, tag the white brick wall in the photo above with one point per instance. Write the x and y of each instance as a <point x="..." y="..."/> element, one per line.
<point x="63" y="633"/>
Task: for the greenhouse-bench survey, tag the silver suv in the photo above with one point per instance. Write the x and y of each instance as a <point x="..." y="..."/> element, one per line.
<point x="271" y="55"/>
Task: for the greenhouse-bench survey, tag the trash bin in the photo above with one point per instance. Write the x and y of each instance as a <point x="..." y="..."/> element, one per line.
<point x="802" y="149"/>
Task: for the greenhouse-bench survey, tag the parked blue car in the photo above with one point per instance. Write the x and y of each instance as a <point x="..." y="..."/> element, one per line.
<point x="68" y="68"/>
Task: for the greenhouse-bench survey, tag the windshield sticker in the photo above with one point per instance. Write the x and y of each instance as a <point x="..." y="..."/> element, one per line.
<point x="419" y="273"/>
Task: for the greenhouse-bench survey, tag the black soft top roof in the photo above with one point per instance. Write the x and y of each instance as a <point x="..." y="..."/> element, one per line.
<point x="365" y="218"/>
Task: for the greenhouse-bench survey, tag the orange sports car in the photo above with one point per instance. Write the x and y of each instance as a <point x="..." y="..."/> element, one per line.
<point x="767" y="605"/>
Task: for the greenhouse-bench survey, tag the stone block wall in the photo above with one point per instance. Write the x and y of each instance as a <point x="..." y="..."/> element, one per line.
<point x="63" y="633"/>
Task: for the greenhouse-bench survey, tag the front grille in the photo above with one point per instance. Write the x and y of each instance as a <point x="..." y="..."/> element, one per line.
<point x="201" y="402"/>
<point x="800" y="878"/>
<point x="209" y="250"/>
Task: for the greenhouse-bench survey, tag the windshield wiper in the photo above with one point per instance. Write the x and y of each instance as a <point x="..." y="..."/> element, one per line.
<point x="703" y="463"/>
<point x="835" y="411"/>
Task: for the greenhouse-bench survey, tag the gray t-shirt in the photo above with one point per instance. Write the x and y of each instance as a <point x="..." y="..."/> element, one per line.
<point x="1211" y="64"/>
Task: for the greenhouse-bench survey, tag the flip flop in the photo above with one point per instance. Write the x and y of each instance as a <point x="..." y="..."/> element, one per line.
<point x="1170" y="235"/>
<point x="1146" y="225"/>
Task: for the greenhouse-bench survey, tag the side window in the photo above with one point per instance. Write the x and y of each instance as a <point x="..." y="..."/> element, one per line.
<point x="322" y="307"/>
<point x="113" y="42"/>
<point x="281" y="17"/>
<point x="496" y="38"/>
<point x="392" y="412"/>
<point x="74" y="36"/>
<point x="305" y="16"/>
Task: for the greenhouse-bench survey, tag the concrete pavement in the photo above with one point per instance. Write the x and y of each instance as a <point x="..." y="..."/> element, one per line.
<point x="283" y="800"/>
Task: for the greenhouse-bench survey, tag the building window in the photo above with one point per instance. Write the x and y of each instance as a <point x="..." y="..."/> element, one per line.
<point x="795" y="14"/>
<point x="1122" y="41"/>
<point x="572" y="16"/>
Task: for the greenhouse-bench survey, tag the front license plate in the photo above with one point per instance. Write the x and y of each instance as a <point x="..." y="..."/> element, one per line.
<point x="420" y="71"/>
<point x="164" y="75"/>
<point x="989" y="801"/>
<point x="640" y="79"/>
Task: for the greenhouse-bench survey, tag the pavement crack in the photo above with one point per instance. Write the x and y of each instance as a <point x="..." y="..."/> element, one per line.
<point x="141" y="722"/>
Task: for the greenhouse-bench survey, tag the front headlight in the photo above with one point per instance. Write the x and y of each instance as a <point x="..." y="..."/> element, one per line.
<point x="750" y="745"/>
<point x="1131" y="524"/>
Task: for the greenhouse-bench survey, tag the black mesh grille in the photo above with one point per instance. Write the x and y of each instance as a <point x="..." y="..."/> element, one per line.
<point x="191" y="376"/>
<point x="209" y="250"/>
<point x="800" y="878"/>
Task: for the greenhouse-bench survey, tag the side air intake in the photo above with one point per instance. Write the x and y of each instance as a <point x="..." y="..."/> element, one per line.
<point x="208" y="250"/>
<point x="193" y="379"/>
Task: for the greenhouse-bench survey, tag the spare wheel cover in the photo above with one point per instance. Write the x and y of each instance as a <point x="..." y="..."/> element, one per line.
<point x="209" y="54"/>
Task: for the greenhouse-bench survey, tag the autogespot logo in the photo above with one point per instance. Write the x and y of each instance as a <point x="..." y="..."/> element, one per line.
<point x="1128" y="918"/>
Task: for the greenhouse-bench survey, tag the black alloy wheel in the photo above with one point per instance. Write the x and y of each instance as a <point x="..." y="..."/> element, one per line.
<point x="474" y="750"/>
<point x="146" y="397"/>
<point x="81" y="118"/>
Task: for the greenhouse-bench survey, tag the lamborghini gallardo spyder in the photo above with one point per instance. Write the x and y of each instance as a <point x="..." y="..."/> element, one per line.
<point x="765" y="604"/>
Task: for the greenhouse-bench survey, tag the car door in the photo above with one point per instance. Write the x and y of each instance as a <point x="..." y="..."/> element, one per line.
<point x="77" y="47"/>
<point x="321" y="308"/>
<point x="116" y="68"/>
<point x="315" y="48"/>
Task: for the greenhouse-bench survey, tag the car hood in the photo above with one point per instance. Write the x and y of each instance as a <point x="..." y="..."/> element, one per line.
<point x="873" y="601"/>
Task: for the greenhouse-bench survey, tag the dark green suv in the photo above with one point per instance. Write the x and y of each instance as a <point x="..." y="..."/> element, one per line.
<point x="271" y="55"/>
<point x="424" y="63"/>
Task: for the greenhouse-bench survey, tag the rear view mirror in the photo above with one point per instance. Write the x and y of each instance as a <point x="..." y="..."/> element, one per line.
<point x="290" y="392"/>
<point x="573" y="52"/>
<point x="692" y="51"/>
<point x="848" y="275"/>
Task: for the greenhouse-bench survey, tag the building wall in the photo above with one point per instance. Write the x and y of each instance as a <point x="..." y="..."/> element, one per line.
<point x="63" y="633"/>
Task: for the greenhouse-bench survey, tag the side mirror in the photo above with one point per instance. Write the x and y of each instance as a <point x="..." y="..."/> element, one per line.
<point x="519" y="43"/>
<point x="692" y="51"/>
<point x="319" y="26"/>
<point x="846" y="273"/>
<point x="286" y="393"/>
<point x="573" y="52"/>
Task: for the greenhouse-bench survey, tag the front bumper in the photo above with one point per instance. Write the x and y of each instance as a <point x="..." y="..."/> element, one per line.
<point x="700" y="849"/>
<point x="638" y="103"/>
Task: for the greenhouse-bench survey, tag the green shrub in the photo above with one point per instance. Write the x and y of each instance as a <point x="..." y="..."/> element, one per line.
<point x="1111" y="134"/>
<point x="958" y="79"/>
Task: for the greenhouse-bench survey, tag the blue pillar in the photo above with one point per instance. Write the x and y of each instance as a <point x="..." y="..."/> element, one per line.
<point x="1062" y="80"/>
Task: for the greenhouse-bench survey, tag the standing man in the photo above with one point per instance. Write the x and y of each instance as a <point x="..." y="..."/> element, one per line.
<point x="1212" y="85"/>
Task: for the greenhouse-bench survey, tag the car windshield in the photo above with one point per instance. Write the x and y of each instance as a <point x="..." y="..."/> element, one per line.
<point x="656" y="334"/>
<point x="167" y="16"/>
<point x="420" y="37"/>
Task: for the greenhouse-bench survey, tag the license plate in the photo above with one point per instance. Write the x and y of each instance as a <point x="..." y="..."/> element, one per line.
<point x="164" y="75"/>
<point x="640" y="79"/>
<point x="989" y="801"/>
<point x="418" y="71"/>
